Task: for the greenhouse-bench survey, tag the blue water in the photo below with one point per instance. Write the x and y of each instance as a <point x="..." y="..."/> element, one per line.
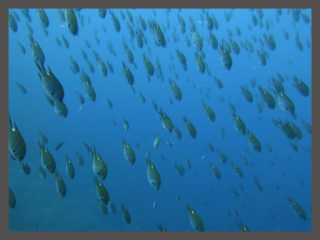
<point x="40" y="208"/>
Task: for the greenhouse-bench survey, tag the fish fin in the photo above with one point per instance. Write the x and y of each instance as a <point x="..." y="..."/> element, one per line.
<point x="93" y="151"/>
<point x="188" y="206"/>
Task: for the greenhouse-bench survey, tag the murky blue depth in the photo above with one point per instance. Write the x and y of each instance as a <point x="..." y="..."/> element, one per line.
<point x="134" y="60"/>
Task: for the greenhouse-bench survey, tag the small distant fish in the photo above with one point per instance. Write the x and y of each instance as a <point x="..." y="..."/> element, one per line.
<point x="22" y="48"/>
<point x="60" y="145"/>
<point x="22" y="89"/>
<point x="80" y="159"/>
<point x="60" y="185"/>
<point x="12" y="23"/>
<point x="12" y="199"/>
<point x="25" y="168"/>
<point x="161" y="228"/>
<point x="126" y="214"/>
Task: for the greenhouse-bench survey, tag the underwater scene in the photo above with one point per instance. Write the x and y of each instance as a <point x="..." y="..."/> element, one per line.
<point x="159" y="120"/>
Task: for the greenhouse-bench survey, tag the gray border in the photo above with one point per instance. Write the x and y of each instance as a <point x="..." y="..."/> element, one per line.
<point x="141" y="4"/>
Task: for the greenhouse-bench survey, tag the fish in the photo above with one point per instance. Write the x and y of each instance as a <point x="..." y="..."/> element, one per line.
<point x="25" y="168"/>
<point x="161" y="228"/>
<point x="222" y="156"/>
<point x="301" y="86"/>
<point x="52" y="87"/>
<point x="128" y="74"/>
<point x="60" y="145"/>
<point x="298" y="210"/>
<point x="197" y="41"/>
<point x="209" y="112"/>
<point x="115" y="21"/>
<point x="291" y="130"/>
<point x="12" y="199"/>
<point x="102" y="12"/>
<point x="126" y="215"/>
<point x="213" y="40"/>
<point x="12" y="23"/>
<point x="253" y="141"/>
<point x="180" y="169"/>
<point x="143" y="99"/>
<point x="47" y="159"/>
<point x="128" y="152"/>
<point x="16" y="142"/>
<point x="103" y="68"/>
<point x="22" y="48"/>
<point x="69" y="167"/>
<point x="80" y="159"/>
<point x="285" y="104"/>
<point x="156" y="142"/>
<point x="177" y="132"/>
<point x="101" y="191"/>
<point x="126" y="124"/>
<point x="247" y="94"/>
<point x="61" y="110"/>
<point x="237" y="170"/>
<point x="182" y="59"/>
<point x="267" y="98"/>
<point x="71" y="21"/>
<point x="269" y="40"/>
<point x="74" y="66"/>
<point x="157" y="34"/>
<point x="215" y="171"/>
<point x="165" y="120"/>
<point x="90" y="91"/>
<point x="44" y="20"/>
<point x="22" y="89"/>
<point x="99" y="168"/>
<point x="25" y="12"/>
<point x="242" y="227"/>
<point x="37" y="53"/>
<point x="61" y="15"/>
<point x="225" y="58"/>
<point x="60" y="185"/>
<point x="191" y="130"/>
<point x="139" y="37"/>
<point x="201" y="66"/>
<point x="238" y="124"/>
<point x="218" y="82"/>
<point x="195" y="220"/>
<point x="175" y="90"/>
<point x="153" y="175"/>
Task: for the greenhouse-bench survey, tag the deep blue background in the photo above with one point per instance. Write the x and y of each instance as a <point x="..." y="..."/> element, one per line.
<point x="40" y="208"/>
